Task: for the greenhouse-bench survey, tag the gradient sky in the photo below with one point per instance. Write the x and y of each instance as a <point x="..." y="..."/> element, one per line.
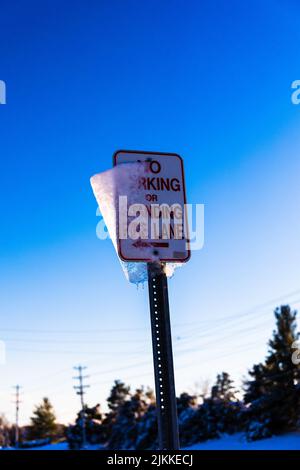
<point x="210" y="80"/>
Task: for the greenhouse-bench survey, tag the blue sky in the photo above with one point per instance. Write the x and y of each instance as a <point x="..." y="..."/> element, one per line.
<point x="209" y="80"/>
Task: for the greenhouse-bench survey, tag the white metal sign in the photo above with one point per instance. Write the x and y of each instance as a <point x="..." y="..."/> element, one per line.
<point x="160" y="193"/>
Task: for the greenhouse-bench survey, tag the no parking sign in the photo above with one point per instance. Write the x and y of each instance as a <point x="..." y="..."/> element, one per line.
<point x="160" y="192"/>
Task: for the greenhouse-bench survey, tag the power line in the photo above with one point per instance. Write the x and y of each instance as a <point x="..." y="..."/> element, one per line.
<point x="213" y="331"/>
<point x="114" y="330"/>
<point x="57" y="386"/>
<point x="72" y="341"/>
<point x="215" y="338"/>
<point x="184" y="337"/>
<point x="242" y="316"/>
<point x="184" y="366"/>
<point x="179" y="355"/>
<point x="91" y="353"/>
<point x="212" y="339"/>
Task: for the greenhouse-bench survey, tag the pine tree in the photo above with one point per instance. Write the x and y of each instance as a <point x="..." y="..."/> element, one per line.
<point x="255" y="388"/>
<point x="4" y="432"/>
<point x="147" y="434"/>
<point x="223" y="388"/>
<point x="222" y="410"/>
<point x="43" y="423"/>
<point x="118" y="395"/>
<point x="185" y="401"/>
<point x="146" y="426"/>
<point x="95" y="432"/>
<point x="219" y="413"/>
<point x="186" y="411"/>
<point x="273" y="390"/>
<point x="129" y="413"/>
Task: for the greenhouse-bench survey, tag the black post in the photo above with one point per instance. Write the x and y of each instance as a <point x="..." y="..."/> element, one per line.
<point x="163" y="358"/>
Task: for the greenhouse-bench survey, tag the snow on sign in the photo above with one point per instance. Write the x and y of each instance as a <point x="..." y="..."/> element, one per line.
<point x="155" y="223"/>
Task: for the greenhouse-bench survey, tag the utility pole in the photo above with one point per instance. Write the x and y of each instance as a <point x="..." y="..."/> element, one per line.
<point x="80" y="390"/>
<point x="17" y="403"/>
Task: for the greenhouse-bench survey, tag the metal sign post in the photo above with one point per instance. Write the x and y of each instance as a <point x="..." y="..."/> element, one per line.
<point x="163" y="358"/>
<point x="157" y="186"/>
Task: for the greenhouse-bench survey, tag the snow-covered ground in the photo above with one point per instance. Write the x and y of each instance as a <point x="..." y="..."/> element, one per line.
<point x="238" y="442"/>
<point x="226" y="442"/>
<point x="62" y="446"/>
<point x="59" y="446"/>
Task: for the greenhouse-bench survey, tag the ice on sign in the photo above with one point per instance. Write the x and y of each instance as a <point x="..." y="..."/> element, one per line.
<point x="106" y="187"/>
<point x="139" y="220"/>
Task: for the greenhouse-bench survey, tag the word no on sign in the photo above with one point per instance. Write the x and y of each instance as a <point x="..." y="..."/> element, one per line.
<point x="160" y="192"/>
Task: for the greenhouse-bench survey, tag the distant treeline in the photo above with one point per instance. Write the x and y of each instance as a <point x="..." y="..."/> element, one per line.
<point x="268" y="404"/>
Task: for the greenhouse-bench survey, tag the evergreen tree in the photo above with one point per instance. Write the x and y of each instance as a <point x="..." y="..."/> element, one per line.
<point x="185" y="401"/>
<point x="4" y="432"/>
<point x="222" y="411"/>
<point x="95" y="432"/>
<point x="219" y="413"/>
<point x="118" y="395"/>
<point x="147" y="433"/>
<point x="273" y="389"/>
<point x="223" y="388"/>
<point x="255" y="388"/>
<point x="186" y="411"/>
<point x="146" y="430"/>
<point x="129" y="413"/>
<point x="43" y="423"/>
<point x="123" y="429"/>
